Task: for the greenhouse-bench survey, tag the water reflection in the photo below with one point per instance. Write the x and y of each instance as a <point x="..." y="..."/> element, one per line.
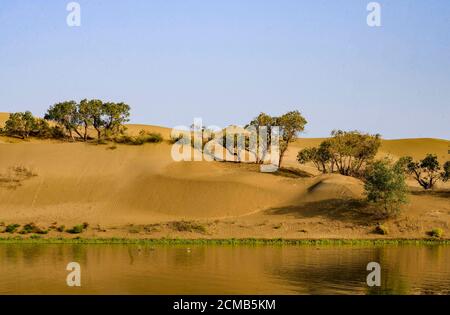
<point x="137" y="269"/>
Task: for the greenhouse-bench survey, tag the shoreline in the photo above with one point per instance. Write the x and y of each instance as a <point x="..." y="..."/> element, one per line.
<point x="232" y="241"/>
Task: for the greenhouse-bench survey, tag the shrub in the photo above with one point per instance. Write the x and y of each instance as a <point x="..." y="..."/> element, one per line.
<point x="385" y="186"/>
<point x="436" y="232"/>
<point x="381" y="229"/>
<point x="143" y="137"/>
<point x="11" y="228"/>
<point x="77" y="229"/>
<point x="187" y="226"/>
<point x="32" y="228"/>
<point x="61" y="228"/>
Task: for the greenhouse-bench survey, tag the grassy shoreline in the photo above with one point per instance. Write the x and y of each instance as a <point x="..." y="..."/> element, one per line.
<point x="231" y="241"/>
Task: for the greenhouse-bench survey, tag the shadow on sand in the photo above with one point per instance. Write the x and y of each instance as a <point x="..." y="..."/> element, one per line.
<point x="346" y="210"/>
<point x="433" y="193"/>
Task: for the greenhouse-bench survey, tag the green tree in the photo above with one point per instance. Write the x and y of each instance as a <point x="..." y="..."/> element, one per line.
<point x="321" y="157"/>
<point x="41" y="129"/>
<point x="351" y="151"/>
<point x="263" y="140"/>
<point x="92" y="114"/>
<point x="348" y="152"/>
<point x="84" y="112"/>
<point x="290" y="125"/>
<point x="385" y="186"/>
<point x="115" y="115"/>
<point x="66" y="115"/>
<point x="426" y="171"/>
<point x="20" y="124"/>
<point x="446" y="173"/>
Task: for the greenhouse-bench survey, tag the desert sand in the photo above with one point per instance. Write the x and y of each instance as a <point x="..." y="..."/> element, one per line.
<point x="137" y="191"/>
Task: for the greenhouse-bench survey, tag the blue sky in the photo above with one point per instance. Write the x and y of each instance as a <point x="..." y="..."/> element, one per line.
<point x="228" y="60"/>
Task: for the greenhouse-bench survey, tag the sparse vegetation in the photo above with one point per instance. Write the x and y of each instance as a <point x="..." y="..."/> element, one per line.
<point x="32" y="228"/>
<point x="25" y="125"/>
<point x="290" y="125"/>
<point x="347" y="152"/>
<point x="381" y="229"/>
<point x="187" y="226"/>
<point x="426" y="171"/>
<point x="72" y="119"/>
<point x="11" y="228"/>
<point x="436" y="232"/>
<point x="77" y="229"/>
<point x="106" y="118"/>
<point x="15" y="175"/>
<point x="143" y="137"/>
<point x="61" y="228"/>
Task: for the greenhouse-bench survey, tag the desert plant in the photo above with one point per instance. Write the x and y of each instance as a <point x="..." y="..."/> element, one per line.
<point x="187" y="226"/>
<point x="32" y="228"/>
<point x="77" y="229"/>
<point x="381" y="229"/>
<point x="289" y="126"/>
<point x="321" y="157"/>
<point x="11" y="228"/>
<point x="143" y="137"/>
<point x="446" y="171"/>
<point x="347" y="152"/>
<point x="352" y="151"/>
<point x="436" y="232"/>
<point x="66" y="115"/>
<point x="385" y="186"/>
<point x="19" y="124"/>
<point x="426" y="171"/>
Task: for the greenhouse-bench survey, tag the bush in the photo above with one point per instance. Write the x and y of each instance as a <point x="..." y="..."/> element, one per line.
<point x="381" y="229"/>
<point x="77" y="229"/>
<point x="385" y="186"/>
<point x="143" y="137"/>
<point x="186" y="226"/>
<point x="436" y="232"/>
<point x="32" y="228"/>
<point x="11" y="228"/>
<point x="61" y="228"/>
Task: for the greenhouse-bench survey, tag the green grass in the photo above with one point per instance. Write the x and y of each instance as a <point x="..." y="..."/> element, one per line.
<point x="232" y="241"/>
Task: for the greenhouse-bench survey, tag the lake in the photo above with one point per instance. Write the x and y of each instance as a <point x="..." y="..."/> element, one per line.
<point x="145" y="269"/>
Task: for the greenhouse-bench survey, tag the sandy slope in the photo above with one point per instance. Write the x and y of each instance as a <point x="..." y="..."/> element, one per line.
<point x="116" y="186"/>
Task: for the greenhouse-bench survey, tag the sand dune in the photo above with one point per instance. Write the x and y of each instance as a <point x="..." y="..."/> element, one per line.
<point x="121" y="184"/>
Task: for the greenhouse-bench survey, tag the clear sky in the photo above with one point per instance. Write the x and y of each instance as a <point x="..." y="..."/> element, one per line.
<point x="228" y="60"/>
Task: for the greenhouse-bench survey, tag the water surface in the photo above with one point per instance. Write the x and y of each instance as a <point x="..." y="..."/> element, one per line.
<point x="138" y="269"/>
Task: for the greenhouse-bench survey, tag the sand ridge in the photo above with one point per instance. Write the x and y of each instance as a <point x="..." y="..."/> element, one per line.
<point x="118" y="185"/>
